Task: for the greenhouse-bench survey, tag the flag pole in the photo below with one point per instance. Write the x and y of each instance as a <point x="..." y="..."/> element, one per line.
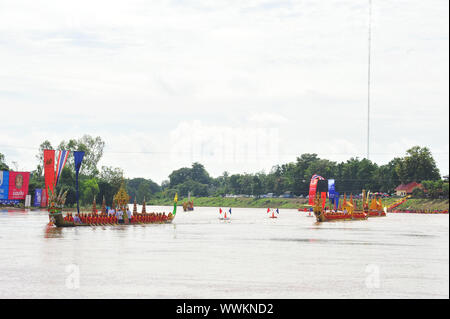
<point x="78" y="155"/>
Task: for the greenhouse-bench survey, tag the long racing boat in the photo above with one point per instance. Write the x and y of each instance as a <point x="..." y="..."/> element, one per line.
<point x="57" y="218"/>
<point x="346" y="214"/>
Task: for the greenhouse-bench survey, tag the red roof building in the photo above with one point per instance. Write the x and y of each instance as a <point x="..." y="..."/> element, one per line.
<point x="407" y="189"/>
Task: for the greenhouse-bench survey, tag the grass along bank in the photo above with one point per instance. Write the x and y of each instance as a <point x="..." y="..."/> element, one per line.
<point x="424" y="204"/>
<point x="240" y="202"/>
<point x="292" y="203"/>
<point x="287" y="203"/>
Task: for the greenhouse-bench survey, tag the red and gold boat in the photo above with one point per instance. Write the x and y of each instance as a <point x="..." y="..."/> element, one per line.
<point x="347" y="213"/>
<point x="121" y="200"/>
<point x="376" y="208"/>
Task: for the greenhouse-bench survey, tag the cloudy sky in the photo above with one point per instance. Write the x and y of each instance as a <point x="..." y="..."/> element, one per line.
<point x="237" y="85"/>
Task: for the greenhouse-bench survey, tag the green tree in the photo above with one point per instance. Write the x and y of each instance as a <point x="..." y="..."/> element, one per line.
<point x="195" y="179"/>
<point x="434" y="188"/>
<point x="88" y="189"/>
<point x="3" y="166"/>
<point x="179" y="176"/>
<point x="93" y="148"/>
<point x="196" y="188"/>
<point x="258" y="185"/>
<point x="356" y="175"/>
<point x="165" y="184"/>
<point x="235" y="184"/>
<point x="113" y="176"/>
<point x="386" y="176"/>
<point x="67" y="183"/>
<point x="141" y="188"/>
<point x="418" y="165"/>
<point x="109" y="182"/>
<point x="199" y="174"/>
<point x="46" y="145"/>
<point x="221" y="184"/>
<point x="418" y="193"/>
<point x="445" y="189"/>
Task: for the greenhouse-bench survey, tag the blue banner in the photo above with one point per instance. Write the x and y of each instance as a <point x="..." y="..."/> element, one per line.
<point x="336" y="199"/>
<point x="37" y="197"/>
<point x="4" y="184"/>
<point x="78" y="155"/>
<point x="331" y="190"/>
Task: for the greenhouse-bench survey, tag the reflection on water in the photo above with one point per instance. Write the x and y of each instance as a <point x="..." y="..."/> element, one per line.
<point x="250" y="256"/>
<point x="11" y="211"/>
<point x="335" y="242"/>
<point x="53" y="232"/>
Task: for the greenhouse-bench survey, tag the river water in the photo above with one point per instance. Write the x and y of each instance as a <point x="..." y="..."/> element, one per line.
<point x="251" y="256"/>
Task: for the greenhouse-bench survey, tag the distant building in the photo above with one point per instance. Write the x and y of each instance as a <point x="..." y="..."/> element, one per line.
<point x="407" y="189"/>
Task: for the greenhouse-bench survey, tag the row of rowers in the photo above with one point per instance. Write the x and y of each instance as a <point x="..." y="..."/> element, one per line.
<point x="117" y="217"/>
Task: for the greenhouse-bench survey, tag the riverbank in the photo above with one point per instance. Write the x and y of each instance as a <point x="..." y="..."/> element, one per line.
<point x="286" y="203"/>
<point x="424" y="204"/>
<point x="294" y="203"/>
<point x="240" y="202"/>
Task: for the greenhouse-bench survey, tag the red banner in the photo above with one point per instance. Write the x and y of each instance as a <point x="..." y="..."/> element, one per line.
<point x="18" y="185"/>
<point x="324" y="199"/>
<point x="312" y="191"/>
<point x="49" y="169"/>
<point x="44" y="198"/>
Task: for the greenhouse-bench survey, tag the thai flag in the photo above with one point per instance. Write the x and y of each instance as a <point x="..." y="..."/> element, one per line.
<point x="62" y="159"/>
<point x="315" y="176"/>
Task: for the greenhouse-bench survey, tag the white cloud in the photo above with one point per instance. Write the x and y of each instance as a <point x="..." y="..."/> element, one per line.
<point x="135" y="71"/>
<point x="267" y="118"/>
<point x="236" y="149"/>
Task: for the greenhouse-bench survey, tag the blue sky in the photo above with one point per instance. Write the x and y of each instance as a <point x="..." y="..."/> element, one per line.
<point x="237" y="85"/>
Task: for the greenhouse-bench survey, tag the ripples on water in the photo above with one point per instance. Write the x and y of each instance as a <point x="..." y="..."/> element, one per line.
<point x="251" y="256"/>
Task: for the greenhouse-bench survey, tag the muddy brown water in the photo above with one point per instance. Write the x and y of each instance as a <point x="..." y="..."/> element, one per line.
<point x="251" y="256"/>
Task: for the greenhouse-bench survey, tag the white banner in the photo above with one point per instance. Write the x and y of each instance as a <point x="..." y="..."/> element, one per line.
<point x="28" y="201"/>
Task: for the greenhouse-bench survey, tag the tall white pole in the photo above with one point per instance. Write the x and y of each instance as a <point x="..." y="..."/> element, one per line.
<point x="368" y="81"/>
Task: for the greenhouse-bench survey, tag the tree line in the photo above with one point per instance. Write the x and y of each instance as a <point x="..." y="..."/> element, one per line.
<point x="350" y="176"/>
<point x="94" y="182"/>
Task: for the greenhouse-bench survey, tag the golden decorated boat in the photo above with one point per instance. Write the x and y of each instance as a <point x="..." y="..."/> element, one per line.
<point x="347" y="213"/>
<point x="189" y="205"/>
<point x="120" y="203"/>
<point x="376" y="208"/>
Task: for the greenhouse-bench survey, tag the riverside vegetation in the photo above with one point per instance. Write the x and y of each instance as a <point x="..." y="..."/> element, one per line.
<point x="292" y="178"/>
<point x="294" y="203"/>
